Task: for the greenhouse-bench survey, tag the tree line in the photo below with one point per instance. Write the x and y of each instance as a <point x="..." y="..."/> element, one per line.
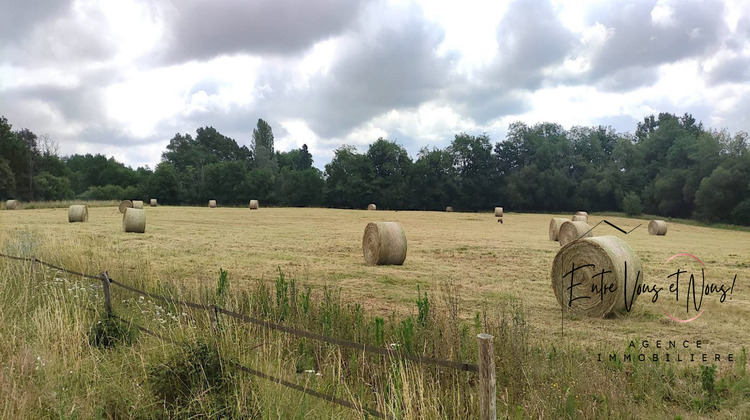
<point x="671" y="166"/>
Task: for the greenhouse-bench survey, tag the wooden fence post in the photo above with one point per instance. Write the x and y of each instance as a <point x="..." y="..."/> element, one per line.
<point x="107" y="298"/>
<point x="33" y="268"/>
<point x="213" y="315"/>
<point x="487" y="390"/>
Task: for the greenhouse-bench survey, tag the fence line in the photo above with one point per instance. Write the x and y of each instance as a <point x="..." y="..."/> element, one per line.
<point x="106" y="280"/>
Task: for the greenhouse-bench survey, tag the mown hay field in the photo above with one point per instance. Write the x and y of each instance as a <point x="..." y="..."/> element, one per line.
<point x="488" y="262"/>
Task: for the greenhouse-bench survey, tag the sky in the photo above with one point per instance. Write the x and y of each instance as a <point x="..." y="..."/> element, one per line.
<point x="121" y="78"/>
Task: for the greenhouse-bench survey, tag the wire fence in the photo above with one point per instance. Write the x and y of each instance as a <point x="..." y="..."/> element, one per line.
<point x="214" y="310"/>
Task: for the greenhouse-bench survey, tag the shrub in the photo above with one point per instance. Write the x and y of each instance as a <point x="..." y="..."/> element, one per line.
<point x="193" y="381"/>
<point x="631" y="204"/>
<point x="110" y="331"/>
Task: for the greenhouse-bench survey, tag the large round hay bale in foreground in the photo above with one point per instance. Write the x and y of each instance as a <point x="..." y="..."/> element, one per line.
<point x="372" y="206"/>
<point x="211" y="203"/>
<point x="124" y="205"/>
<point x="498" y="212"/>
<point x="657" y="227"/>
<point x="134" y="220"/>
<point x="253" y="204"/>
<point x="449" y="209"/>
<point x="78" y="213"/>
<point x="384" y="243"/>
<point x="554" y="227"/>
<point x="608" y="253"/>
<point x="12" y="205"/>
<point x="137" y="204"/>
<point x="152" y="203"/>
<point x="580" y="218"/>
<point x="570" y="231"/>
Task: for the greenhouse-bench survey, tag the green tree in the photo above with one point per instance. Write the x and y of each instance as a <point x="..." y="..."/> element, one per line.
<point x="349" y="178"/>
<point x="50" y="187"/>
<point x="391" y="165"/>
<point x="433" y="180"/>
<point x="474" y="164"/>
<point x="263" y="147"/>
<point x="164" y="184"/>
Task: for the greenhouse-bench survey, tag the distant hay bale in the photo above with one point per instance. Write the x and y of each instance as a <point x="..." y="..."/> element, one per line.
<point x="211" y="203"/>
<point x="13" y="205"/>
<point x="498" y="212"/>
<point x="372" y="206"/>
<point x="582" y="213"/>
<point x="554" y="227"/>
<point x="78" y="213"/>
<point x="449" y="209"/>
<point x="134" y="220"/>
<point x="253" y="204"/>
<point x="570" y="231"/>
<point x="580" y="218"/>
<point x="138" y="204"/>
<point x="608" y="254"/>
<point x="657" y="227"/>
<point x="384" y="243"/>
<point x="124" y="205"/>
<point x="153" y="202"/>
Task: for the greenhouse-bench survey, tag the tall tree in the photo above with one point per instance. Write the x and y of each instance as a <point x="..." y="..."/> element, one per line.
<point x="263" y="146"/>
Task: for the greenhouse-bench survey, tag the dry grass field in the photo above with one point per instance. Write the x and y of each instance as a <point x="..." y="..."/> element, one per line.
<point x="486" y="262"/>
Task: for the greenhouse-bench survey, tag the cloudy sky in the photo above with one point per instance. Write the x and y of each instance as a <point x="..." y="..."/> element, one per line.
<point x="122" y="77"/>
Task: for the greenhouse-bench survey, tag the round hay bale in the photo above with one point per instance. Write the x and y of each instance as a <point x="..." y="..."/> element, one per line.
<point x="582" y="213"/>
<point x="134" y="220"/>
<point x="570" y="231"/>
<point x="211" y="203"/>
<point x="554" y="227"/>
<point x="13" y="205"/>
<point x="657" y="227"/>
<point x="498" y="212"/>
<point x="449" y="209"/>
<point x="124" y="205"/>
<point x="253" y="204"/>
<point x="78" y="213"/>
<point x="372" y="206"/>
<point x="138" y="204"/>
<point x="580" y="218"/>
<point x="608" y="253"/>
<point x="384" y="243"/>
<point x="153" y="202"/>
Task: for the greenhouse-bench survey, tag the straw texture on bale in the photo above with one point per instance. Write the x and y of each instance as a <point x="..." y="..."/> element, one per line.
<point x="498" y="212"/>
<point x="253" y="204"/>
<point x="608" y="253"/>
<point x="449" y="209"/>
<point x="211" y="203"/>
<point x="372" y="207"/>
<point x="134" y="220"/>
<point x="124" y="205"/>
<point x="137" y="204"/>
<point x="582" y="213"/>
<point x="570" y="231"/>
<point x="384" y="243"/>
<point x="12" y="205"/>
<point x="554" y="227"/>
<point x="153" y="202"/>
<point x="580" y="218"/>
<point x="78" y="213"/>
<point x="657" y="227"/>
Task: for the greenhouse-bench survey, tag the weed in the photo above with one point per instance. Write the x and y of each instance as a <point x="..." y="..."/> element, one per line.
<point x="111" y="331"/>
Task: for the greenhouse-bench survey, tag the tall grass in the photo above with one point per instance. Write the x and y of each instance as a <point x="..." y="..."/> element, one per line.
<point x="51" y="367"/>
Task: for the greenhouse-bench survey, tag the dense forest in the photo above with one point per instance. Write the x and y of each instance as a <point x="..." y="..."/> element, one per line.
<point x="672" y="166"/>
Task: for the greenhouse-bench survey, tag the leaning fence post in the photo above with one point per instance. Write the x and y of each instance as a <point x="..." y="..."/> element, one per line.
<point x="487" y="391"/>
<point x="33" y="268"/>
<point x="107" y="298"/>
